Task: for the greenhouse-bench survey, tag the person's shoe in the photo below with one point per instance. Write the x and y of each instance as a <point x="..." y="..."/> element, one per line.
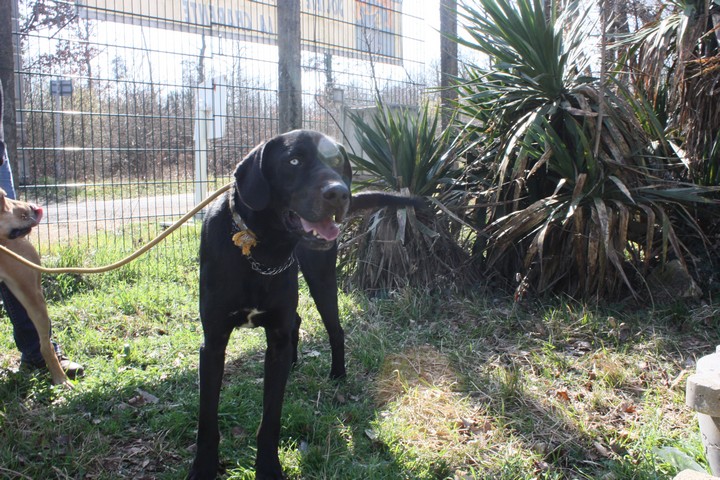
<point x="72" y="369"/>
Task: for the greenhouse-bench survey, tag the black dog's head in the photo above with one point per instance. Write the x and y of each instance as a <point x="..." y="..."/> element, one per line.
<point x="303" y="177"/>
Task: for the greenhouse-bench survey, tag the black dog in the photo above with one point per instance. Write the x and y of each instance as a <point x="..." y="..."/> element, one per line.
<point x="289" y="192"/>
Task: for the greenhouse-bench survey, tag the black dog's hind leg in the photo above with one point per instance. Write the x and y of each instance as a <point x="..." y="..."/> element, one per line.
<point x="296" y="339"/>
<point x="318" y="268"/>
<point x="212" y="365"/>
<point x="278" y="358"/>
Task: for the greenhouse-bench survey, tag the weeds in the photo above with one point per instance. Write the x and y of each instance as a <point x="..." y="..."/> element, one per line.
<point x="438" y="387"/>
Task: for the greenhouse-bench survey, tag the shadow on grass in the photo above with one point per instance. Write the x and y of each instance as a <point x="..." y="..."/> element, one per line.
<point x="553" y="392"/>
<point x="130" y="418"/>
<point x="101" y="429"/>
<point x="542" y="394"/>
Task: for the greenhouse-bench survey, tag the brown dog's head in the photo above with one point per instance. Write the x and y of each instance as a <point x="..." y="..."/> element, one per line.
<point x="301" y="176"/>
<point x="17" y="218"/>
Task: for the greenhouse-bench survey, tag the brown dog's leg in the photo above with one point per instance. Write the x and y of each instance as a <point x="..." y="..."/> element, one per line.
<point x="24" y="283"/>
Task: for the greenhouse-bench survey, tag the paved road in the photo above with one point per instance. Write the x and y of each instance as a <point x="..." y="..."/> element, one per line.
<point x="63" y="221"/>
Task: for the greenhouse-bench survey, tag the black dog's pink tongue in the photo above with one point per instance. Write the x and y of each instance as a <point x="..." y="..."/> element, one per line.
<point x="326" y="229"/>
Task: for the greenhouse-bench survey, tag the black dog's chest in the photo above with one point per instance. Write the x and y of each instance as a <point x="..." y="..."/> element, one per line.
<point x="265" y="301"/>
<point x="248" y="317"/>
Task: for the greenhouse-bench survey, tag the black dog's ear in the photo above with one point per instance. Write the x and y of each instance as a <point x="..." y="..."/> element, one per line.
<point x="252" y="186"/>
<point x="346" y="167"/>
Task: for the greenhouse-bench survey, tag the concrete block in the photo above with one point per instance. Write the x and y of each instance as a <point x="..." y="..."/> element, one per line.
<point x="694" y="475"/>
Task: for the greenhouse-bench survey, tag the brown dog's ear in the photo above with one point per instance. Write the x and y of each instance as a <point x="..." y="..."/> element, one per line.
<point x="252" y="186"/>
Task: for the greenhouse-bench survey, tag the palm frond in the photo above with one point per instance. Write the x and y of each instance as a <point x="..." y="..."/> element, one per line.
<point x="406" y="150"/>
<point x="579" y="201"/>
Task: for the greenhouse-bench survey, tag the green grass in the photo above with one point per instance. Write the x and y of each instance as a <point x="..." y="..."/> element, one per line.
<point x="467" y="387"/>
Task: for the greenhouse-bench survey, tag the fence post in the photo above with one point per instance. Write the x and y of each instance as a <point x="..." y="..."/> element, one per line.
<point x="289" y="69"/>
<point x="448" y="57"/>
<point x="203" y="115"/>
<point x="7" y="77"/>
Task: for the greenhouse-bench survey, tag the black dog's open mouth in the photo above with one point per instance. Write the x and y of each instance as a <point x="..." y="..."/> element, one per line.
<point x="325" y="230"/>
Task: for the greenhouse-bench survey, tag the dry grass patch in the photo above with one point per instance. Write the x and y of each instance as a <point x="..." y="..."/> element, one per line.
<point x="423" y="411"/>
<point x="414" y="367"/>
<point x="576" y="405"/>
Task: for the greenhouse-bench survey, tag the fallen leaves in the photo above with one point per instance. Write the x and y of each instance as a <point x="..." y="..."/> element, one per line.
<point x="143" y="398"/>
<point x="563" y="395"/>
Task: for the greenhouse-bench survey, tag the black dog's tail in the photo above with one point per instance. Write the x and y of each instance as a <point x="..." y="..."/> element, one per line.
<point x="374" y="200"/>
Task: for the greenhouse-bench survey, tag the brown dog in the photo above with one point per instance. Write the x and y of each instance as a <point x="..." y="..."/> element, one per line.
<point x="17" y="219"/>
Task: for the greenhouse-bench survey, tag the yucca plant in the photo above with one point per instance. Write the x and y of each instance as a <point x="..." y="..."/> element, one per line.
<point x="676" y="59"/>
<point x="406" y="151"/>
<point x="578" y="203"/>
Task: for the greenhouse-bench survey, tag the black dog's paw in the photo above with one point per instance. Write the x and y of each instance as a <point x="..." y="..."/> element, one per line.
<point x="269" y="476"/>
<point x="203" y="472"/>
<point x="269" y="470"/>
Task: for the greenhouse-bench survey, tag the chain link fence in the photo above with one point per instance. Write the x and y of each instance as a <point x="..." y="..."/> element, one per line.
<point x="131" y="112"/>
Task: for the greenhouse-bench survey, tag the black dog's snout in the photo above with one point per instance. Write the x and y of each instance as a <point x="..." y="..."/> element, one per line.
<point x="336" y="193"/>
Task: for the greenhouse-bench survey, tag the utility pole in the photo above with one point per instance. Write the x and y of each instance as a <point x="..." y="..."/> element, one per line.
<point x="289" y="68"/>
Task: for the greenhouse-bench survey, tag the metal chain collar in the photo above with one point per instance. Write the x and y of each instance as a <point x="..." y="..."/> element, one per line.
<point x="239" y="225"/>
<point x="263" y="270"/>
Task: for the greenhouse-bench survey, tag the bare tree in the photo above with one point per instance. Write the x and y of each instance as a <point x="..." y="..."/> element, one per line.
<point x="72" y="55"/>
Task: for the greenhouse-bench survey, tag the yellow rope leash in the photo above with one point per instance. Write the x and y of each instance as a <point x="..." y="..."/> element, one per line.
<point x="130" y="257"/>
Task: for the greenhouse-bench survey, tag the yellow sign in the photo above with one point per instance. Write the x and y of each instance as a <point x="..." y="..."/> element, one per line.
<point x="346" y="27"/>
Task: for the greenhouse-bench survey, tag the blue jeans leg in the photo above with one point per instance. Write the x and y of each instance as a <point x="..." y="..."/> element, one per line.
<point x="6" y="177"/>
<point x="26" y="337"/>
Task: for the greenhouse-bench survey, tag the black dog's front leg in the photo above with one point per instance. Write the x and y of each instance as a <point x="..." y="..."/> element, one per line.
<point x="318" y="268"/>
<point x="278" y="359"/>
<point x="211" y="368"/>
<point x="296" y="339"/>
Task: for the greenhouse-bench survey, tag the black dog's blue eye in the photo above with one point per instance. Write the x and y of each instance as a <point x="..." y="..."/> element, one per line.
<point x="294" y="162"/>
